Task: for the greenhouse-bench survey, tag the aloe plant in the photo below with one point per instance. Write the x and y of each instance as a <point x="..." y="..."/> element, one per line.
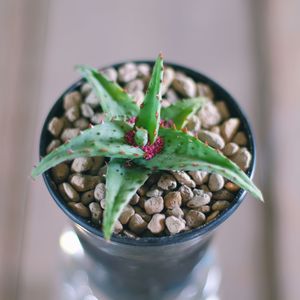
<point x="149" y="137"/>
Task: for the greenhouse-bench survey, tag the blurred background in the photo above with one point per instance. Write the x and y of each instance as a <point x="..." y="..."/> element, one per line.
<point x="251" y="47"/>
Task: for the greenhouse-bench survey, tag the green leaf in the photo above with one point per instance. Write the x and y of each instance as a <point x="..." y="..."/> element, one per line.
<point x="149" y="116"/>
<point x="180" y="111"/>
<point x="115" y="102"/>
<point x="106" y="139"/>
<point x="184" y="152"/>
<point x="121" y="184"/>
<point x="141" y="136"/>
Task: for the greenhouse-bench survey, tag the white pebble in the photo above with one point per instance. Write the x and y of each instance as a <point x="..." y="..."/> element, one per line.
<point x="55" y="126"/>
<point x="157" y="223"/>
<point x="242" y="158"/>
<point x="213" y="139"/>
<point x="174" y="225"/>
<point x="127" y="72"/>
<point x="154" y="205"/>
<point x="216" y="182"/>
<point x="183" y="178"/>
<point x="209" y="115"/>
<point x="184" y="85"/>
<point x="229" y="128"/>
<point x="200" y="177"/>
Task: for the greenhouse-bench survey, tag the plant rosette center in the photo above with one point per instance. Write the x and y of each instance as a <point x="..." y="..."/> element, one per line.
<point x="150" y="150"/>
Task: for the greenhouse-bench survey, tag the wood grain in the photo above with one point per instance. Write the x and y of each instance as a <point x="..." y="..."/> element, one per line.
<point x="22" y="46"/>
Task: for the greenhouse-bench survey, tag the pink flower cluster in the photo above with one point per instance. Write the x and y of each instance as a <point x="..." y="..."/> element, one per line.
<point x="150" y="149"/>
<point x="131" y="120"/>
<point x="129" y="137"/>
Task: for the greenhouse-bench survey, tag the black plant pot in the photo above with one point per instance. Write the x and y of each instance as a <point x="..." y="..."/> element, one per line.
<point x="148" y="268"/>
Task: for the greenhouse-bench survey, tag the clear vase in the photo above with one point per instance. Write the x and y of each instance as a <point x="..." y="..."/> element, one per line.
<point x="85" y="277"/>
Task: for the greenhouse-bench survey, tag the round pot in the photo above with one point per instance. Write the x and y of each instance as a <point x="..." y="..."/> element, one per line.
<point x="151" y="267"/>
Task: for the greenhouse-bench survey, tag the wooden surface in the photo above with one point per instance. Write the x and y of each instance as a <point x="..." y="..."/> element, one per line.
<point x="283" y="30"/>
<point x="251" y="51"/>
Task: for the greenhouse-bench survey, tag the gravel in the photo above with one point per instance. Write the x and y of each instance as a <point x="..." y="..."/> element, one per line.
<point x="55" y="126"/>
<point x="87" y="197"/>
<point x="229" y="128"/>
<point x="99" y="192"/>
<point x="154" y="205"/>
<point x="230" y="149"/>
<point x="81" y="123"/>
<point x="53" y="145"/>
<point x="134" y="86"/>
<point x="169" y="202"/>
<point x="200" y="177"/>
<point x="172" y="200"/>
<point x="85" y="90"/>
<point x="157" y="224"/>
<point x="195" y="218"/>
<point x="83" y="183"/>
<point x="135" y="199"/>
<point x="167" y="182"/>
<point x="223" y="195"/>
<point x="73" y="113"/>
<point x="168" y="78"/>
<point x="209" y="115"/>
<point x="212" y="216"/>
<point x="154" y="192"/>
<point x="174" y="224"/>
<point x="137" y="224"/>
<point x="212" y="139"/>
<point x="86" y="110"/>
<point x="220" y="205"/>
<point x="231" y="187"/>
<point x="186" y="193"/>
<point x="216" y="182"/>
<point x="184" y="85"/>
<point x="144" y="71"/>
<point x="176" y="212"/>
<point x="92" y="100"/>
<point x="72" y="99"/>
<point x="96" y="166"/>
<point x="80" y="209"/>
<point x="184" y="179"/>
<point x="200" y="198"/>
<point x="60" y="172"/>
<point x="223" y="109"/>
<point x="110" y="73"/>
<point x="69" y="133"/>
<point x="118" y="227"/>
<point x="242" y="158"/>
<point x="204" y="90"/>
<point x="96" y="212"/>
<point x="127" y="72"/>
<point x="81" y="164"/>
<point x="240" y="139"/>
<point x="126" y="214"/>
<point x="193" y="124"/>
<point x="138" y="97"/>
<point x="68" y="193"/>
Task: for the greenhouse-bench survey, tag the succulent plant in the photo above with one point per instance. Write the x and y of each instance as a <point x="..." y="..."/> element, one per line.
<point x="140" y="140"/>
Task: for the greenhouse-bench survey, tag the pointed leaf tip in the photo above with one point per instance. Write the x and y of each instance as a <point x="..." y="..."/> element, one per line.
<point x="184" y="152"/>
<point x="115" y="102"/>
<point x="149" y="116"/>
<point x="180" y="111"/>
<point x="107" y="137"/>
<point x="122" y="182"/>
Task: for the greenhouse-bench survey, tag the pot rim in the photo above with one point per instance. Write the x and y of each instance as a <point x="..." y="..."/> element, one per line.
<point x="164" y="240"/>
